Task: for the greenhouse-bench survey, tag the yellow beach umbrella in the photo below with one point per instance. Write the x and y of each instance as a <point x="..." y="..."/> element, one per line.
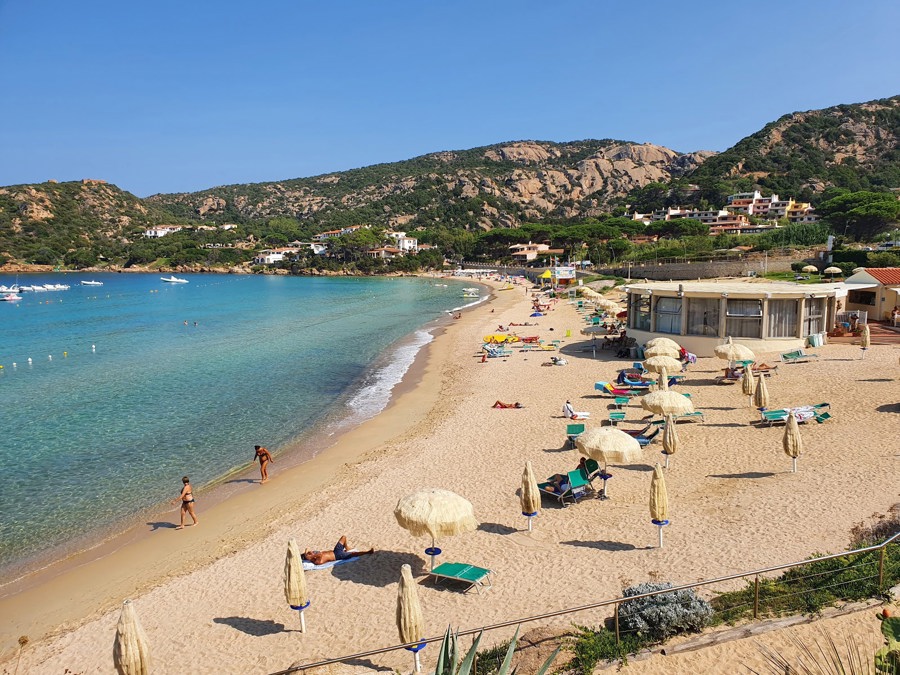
<point x="410" y="623"/>
<point x="792" y="442"/>
<point x="659" y="501"/>
<point x="131" y="655"/>
<point x="729" y="351"/>
<point x="748" y="384"/>
<point x="295" y="591"/>
<point x="531" y="495"/>
<point x="608" y="445"/>
<point x="761" y="395"/>
<point x="670" y="438"/>
<point x="865" y="340"/>
<point x="435" y="512"/>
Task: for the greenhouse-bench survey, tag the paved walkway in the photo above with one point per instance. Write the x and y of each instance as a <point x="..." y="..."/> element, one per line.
<point x="881" y="334"/>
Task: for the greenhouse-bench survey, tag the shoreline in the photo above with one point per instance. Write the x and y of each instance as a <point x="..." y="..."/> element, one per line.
<point x="136" y="553"/>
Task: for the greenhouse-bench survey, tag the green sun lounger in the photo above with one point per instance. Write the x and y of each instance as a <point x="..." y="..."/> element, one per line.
<point x="797" y="356"/>
<point x="577" y="487"/>
<point x="616" y="417"/>
<point x="573" y="431"/>
<point x="472" y="576"/>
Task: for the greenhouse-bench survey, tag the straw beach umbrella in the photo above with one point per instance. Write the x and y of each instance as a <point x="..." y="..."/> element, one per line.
<point x="810" y="269"/>
<point x="531" y="495"/>
<point x="662" y="350"/>
<point x="670" y="438"/>
<point x="666" y="402"/>
<point x="295" y="582"/>
<point x="761" y="395"/>
<point x="410" y="623"/>
<point x="865" y="340"/>
<point x="435" y="512"/>
<point x="792" y="442"/>
<point x="831" y="271"/>
<point x="656" y="364"/>
<point x="748" y="384"/>
<point x="609" y="446"/>
<point x="729" y="351"/>
<point x="659" y="501"/>
<point x="130" y="653"/>
<point x="663" y="342"/>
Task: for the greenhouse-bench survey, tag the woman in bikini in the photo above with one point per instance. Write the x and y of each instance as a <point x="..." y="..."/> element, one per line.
<point x="187" y="501"/>
<point x="264" y="457"/>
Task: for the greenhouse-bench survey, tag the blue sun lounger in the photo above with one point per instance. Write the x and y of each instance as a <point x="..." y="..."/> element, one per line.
<point x="472" y="576"/>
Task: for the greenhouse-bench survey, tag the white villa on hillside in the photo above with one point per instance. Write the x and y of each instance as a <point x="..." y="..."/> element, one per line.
<point x="404" y="243"/>
<point x="161" y="231"/>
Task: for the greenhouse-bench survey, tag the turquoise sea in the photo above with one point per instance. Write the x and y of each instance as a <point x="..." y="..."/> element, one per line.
<point x="111" y="394"/>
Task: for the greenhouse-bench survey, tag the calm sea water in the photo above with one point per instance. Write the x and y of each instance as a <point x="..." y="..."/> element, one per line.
<point x="124" y="394"/>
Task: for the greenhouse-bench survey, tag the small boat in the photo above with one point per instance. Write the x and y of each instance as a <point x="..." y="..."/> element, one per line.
<point x="91" y="283"/>
<point x="11" y="297"/>
<point x="471" y="295"/>
<point x="9" y="289"/>
<point x="174" y="280"/>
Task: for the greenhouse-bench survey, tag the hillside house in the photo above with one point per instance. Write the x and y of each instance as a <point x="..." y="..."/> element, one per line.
<point x="875" y="290"/>
<point x="404" y="243"/>
<point x="161" y="231"/>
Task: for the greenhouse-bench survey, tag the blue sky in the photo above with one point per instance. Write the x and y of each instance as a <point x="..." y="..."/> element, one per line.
<point x="179" y="96"/>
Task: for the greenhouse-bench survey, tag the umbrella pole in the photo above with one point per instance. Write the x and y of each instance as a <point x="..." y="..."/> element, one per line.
<point x="660" y="536"/>
<point x="302" y="622"/>
<point x="667" y="459"/>
<point x="529" y="523"/>
<point x="794" y="460"/>
<point x="418" y="667"/>
<point x="432" y="553"/>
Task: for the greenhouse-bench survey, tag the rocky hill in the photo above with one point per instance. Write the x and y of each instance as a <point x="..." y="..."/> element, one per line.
<point x="496" y="186"/>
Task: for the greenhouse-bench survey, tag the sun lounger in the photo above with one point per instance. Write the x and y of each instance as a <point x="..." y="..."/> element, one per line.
<point x="797" y="356"/>
<point x="645" y="440"/>
<point x="470" y="575"/>
<point x="573" y="431"/>
<point x="696" y="416"/>
<point x="575" y="487"/>
<point x="616" y="417"/>
<point x="494" y="351"/>
<point x="803" y="414"/>
<point x="621" y="401"/>
<point x="607" y="389"/>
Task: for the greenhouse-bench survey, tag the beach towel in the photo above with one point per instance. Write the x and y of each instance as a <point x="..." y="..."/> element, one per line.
<point x="307" y="566"/>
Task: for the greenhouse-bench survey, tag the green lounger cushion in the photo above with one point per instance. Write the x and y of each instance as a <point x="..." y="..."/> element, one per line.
<point x="469" y="574"/>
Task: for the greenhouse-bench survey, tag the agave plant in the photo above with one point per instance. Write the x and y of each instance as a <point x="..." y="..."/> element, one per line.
<point x="449" y="663"/>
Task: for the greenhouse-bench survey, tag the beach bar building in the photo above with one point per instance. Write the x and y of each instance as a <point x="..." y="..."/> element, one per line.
<point x="764" y="316"/>
<point x="875" y="290"/>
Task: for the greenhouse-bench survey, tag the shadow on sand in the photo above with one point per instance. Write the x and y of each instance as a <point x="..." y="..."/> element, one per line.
<point x="254" y="627"/>
<point x="602" y="545"/>
<point x="161" y="525"/>
<point x="747" y="474"/>
<point x="497" y="528"/>
<point x="889" y="408"/>
<point x="380" y="569"/>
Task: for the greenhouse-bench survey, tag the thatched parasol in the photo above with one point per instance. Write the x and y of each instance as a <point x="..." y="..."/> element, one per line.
<point x="662" y="341"/>
<point x="865" y="340"/>
<point x="295" y="591"/>
<point x="659" y="501"/>
<point x="410" y="623"/>
<point x="748" y="384"/>
<point x="792" y="442"/>
<point x="729" y="351"/>
<point x="664" y="401"/>
<point x="662" y="350"/>
<point x="831" y="271"/>
<point x="670" y="438"/>
<point x="761" y="395"/>
<point x="531" y="495"/>
<point x="609" y="446"/>
<point x="656" y="364"/>
<point x="131" y="655"/>
<point x="435" y="512"/>
<point x="810" y="269"/>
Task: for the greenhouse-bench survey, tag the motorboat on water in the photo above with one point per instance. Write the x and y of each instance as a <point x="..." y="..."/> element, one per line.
<point x="174" y="280"/>
<point x="9" y="289"/>
<point x="91" y="283"/>
<point x="11" y="297"/>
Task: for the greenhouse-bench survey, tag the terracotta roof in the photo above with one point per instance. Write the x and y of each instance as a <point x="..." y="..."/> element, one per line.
<point x="889" y="276"/>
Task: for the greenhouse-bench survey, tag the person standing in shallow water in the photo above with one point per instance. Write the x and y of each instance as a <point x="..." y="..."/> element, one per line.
<point x="264" y="457"/>
<point x="187" y="501"/>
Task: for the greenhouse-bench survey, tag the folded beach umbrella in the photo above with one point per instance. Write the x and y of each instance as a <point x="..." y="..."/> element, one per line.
<point x="608" y="445"/>
<point x="295" y="582"/>
<point x="410" y="623"/>
<point x="730" y="351"/>
<point x="435" y="512"/>
<point x="531" y="495"/>
<point x="659" y="501"/>
<point x="761" y="395"/>
<point x="130" y="653"/>
<point x="670" y="438"/>
<point x="792" y="442"/>
<point x="748" y="384"/>
<point x="865" y="340"/>
<point x="656" y="364"/>
<point x="662" y="350"/>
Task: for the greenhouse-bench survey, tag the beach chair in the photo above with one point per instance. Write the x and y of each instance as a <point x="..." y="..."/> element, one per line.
<point x="577" y="486"/>
<point x="647" y="439"/>
<point x="797" y="356"/>
<point x="607" y="389"/>
<point x="470" y="575"/>
<point x="493" y="351"/>
<point x="621" y="401"/>
<point x="573" y="431"/>
<point x="616" y="417"/>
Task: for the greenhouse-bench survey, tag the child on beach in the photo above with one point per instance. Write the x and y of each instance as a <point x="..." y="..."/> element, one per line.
<point x="187" y="501"/>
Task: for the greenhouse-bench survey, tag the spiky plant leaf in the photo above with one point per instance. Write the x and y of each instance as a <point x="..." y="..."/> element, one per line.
<point x="548" y="662"/>
<point x="507" y="662"/>
<point x="465" y="667"/>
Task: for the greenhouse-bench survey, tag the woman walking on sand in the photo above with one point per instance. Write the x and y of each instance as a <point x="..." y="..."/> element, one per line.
<point x="264" y="457"/>
<point x="187" y="501"/>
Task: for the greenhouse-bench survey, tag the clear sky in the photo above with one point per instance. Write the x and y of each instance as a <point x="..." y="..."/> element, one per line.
<point x="171" y="96"/>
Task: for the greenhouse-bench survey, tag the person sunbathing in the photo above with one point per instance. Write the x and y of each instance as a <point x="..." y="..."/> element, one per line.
<point x="558" y="483"/>
<point x="501" y="404"/>
<point x="341" y="552"/>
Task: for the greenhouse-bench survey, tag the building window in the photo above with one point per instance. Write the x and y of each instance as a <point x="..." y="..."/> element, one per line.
<point x="668" y="315"/>
<point x="861" y="298"/>
<point x="743" y="318"/>
<point x="783" y="318"/>
<point x="639" y="311"/>
<point x="813" y="316"/>
<point x="703" y="316"/>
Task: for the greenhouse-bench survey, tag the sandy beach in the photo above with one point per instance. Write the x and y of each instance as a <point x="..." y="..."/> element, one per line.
<point x="210" y="597"/>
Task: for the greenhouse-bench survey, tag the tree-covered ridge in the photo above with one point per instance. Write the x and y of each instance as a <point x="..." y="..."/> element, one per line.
<point x="856" y="147"/>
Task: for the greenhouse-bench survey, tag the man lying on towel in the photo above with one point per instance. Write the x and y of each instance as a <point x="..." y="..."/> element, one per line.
<point x="571" y="413"/>
<point x="341" y="552"/>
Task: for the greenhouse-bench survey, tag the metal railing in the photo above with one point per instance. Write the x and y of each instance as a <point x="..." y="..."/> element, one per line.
<point x="756" y="575"/>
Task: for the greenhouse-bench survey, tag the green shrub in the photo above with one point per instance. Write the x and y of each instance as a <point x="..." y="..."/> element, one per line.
<point x="660" y="616"/>
<point x="592" y="646"/>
